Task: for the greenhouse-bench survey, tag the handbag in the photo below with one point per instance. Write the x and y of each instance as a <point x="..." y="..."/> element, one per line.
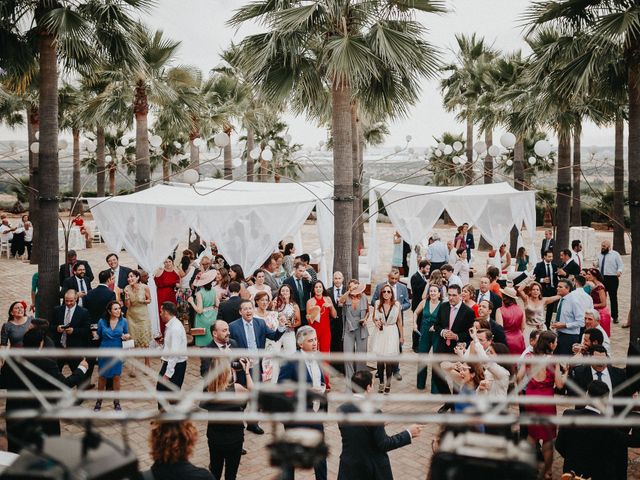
<point x="128" y="344"/>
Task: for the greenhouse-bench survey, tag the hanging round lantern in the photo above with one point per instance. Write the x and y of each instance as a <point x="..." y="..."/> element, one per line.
<point x="397" y="149"/>
<point x="457" y="146"/>
<point x="35" y="147"/>
<point x="479" y="147"/>
<point x="509" y="163"/>
<point x="532" y="160"/>
<point x="62" y="144"/>
<point x="108" y="158"/>
<point x="463" y="159"/>
<point x="448" y="149"/>
<point x="455" y="159"/>
<point x="91" y="146"/>
<point x="437" y="152"/>
<point x="37" y="135"/>
<point x="155" y="141"/>
<point x="190" y="176"/>
<point x="196" y="142"/>
<point x="441" y="145"/>
<point x="255" y="153"/>
<point x="508" y="140"/>
<point x="542" y="148"/>
<point x="221" y="139"/>
<point x="267" y="155"/>
<point x="236" y="162"/>
<point x="494" y="150"/>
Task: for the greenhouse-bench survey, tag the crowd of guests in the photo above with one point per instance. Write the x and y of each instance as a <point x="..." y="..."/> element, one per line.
<point x="546" y="309"/>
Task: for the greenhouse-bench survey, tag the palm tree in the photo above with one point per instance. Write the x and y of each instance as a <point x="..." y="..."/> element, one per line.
<point x="466" y="83"/>
<point x="337" y="45"/>
<point x="75" y="32"/>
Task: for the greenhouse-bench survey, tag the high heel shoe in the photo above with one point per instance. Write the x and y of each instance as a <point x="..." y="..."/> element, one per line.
<point x="387" y="386"/>
<point x="116" y="406"/>
<point x="381" y="388"/>
<point x="97" y="406"/>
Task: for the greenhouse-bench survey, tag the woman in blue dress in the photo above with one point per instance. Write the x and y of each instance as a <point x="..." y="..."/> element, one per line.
<point x="111" y="332"/>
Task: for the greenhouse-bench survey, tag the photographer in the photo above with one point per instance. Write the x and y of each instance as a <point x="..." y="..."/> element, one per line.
<point x="225" y="439"/>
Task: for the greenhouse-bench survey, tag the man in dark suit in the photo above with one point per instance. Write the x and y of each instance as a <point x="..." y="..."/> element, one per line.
<point x="300" y="284"/>
<point x="468" y="238"/>
<point x="591" y="451"/>
<point x="70" y="327"/>
<point x="583" y="375"/>
<point x="120" y="273"/>
<point x="67" y="269"/>
<point x="335" y="292"/>
<point x="364" y="447"/>
<point x="307" y="343"/>
<point x="548" y="243"/>
<point x="485" y="293"/>
<point x="251" y="333"/>
<point x="78" y="282"/>
<point x="569" y="268"/>
<point x="229" y="310"/>
<point x="453" y="324"/>
<point x="546" y="274"/>
<point x="418" y="283"/>
<point x="96" y="302"/>
<point x="221" y="339"/>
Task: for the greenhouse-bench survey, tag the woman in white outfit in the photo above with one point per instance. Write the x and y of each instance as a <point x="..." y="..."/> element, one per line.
<point x="388" y="335"/>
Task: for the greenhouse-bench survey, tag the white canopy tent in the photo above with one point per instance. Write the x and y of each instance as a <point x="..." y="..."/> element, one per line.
<point x="414" y="210"/>
<point x="245" y="219"/>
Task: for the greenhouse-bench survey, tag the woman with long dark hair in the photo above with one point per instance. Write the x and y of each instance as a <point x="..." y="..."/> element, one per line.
<point x="320" y="311"/>
<point x="388" y="334"/>
<point x="289" y="257"/>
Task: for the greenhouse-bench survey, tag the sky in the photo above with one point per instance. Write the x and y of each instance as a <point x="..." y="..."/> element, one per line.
<point x="201" y="27"/>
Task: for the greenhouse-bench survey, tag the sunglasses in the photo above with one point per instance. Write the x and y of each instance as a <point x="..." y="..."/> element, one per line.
<point x="386" y="291"/>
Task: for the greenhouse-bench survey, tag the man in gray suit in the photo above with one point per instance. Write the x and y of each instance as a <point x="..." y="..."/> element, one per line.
<point x="269" y="268"/>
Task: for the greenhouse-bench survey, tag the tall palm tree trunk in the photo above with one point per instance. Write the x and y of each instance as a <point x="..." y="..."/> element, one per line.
<point x="342" y="178"/>
<point x="228" y="167"/>
<point x="487" y="168"/>
<point x="100" y="161"/>
<point x="194" y="152"/>
<point x="618" y="189"/>
<point x="166" y="174"/>
<point x="576" y="208"/>
<point x="360" y="161"/>
<point x="77" y="204"/>
<point x="633" y="152"/>
<point x="518" y="184"/>
<point x="48" y="262"/>
<point x="563" y="203"/>
<point x="250" y="146"/>
<point x="112" y="178"/>
<point x="357" y="200"/>
<point x="33" y="126"/>
<point x="141" y="111"/>
<point x="468" y="168"/>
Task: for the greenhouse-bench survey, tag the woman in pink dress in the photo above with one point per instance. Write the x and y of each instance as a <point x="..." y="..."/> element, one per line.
<point x="599" y="295"/>
<point x="166" y="280"/>
<point x="541" y="382"/>
<point x="512" y="320"/>
<point x="320" y="317"/>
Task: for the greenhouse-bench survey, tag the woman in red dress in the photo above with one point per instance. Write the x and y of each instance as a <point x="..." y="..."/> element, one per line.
<point x="321" y="322"/>
<point x="599" y="297"/>
<point x="166" y="279"/>
<point x="542" y="381"/>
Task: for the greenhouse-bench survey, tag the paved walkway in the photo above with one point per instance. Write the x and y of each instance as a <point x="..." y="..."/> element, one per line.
<point x="409" y="462"/>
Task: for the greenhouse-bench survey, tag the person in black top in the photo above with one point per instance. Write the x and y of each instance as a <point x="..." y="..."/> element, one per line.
<point x="225" y="439"/>
<point x="229" y="310"/>
<point x="569" y="268"/>
<point x="173" y="463"/>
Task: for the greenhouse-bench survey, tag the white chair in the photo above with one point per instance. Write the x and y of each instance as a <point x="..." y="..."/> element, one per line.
<point x="5" y="247"/>
<point x="96" y="235"/>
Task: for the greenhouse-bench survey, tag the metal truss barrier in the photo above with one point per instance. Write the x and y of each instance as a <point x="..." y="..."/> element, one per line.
<point x="415" y="407"/>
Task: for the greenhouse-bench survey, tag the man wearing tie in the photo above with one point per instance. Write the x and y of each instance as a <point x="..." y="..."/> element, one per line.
<point x="67" y="269"/>
<point x="251" y="333"/>
<point x="546" y="274"/>
<point x="453" y="324"/>
<point x="70" y="328"/>
<point x="418" y="283"/>
<point x="485" y="293"/>
<point x="569" y="319"/>
<point x="335" y="292"/>
<point x="576" y="252"/>
<point x="468" y="238"/>
<point x="611" y="267"/>
<point x="307" y="342"/>
<point x="300" y="284"/>
<point x="548" y="243"/>
<point x="78" y="282"/>
<point x="120" y="274"/>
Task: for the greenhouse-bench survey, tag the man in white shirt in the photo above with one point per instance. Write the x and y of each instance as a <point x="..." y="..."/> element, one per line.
<point x="592" y="320"/>
<point x="611" y="267"/>
<point x="437" y="253"/>
<point x="6" y="230"/>
<point x="120" y="274"/>
<point x="576" y="252"/>
<point x="450" y="277"/>
<point x="174" y="341"/>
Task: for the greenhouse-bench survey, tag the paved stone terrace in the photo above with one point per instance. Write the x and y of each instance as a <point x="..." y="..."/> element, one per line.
<point x="409" y="462"/>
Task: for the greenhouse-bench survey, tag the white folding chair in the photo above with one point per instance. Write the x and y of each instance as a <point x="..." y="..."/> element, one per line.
<point x="5" y="247"/>
<point x="96" y="235"/>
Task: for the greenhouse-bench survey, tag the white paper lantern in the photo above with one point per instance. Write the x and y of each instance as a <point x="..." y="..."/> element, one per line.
<point x="508" y="140"/>
<point x="35" y="147"/>
<point x="397" y="148"/>
<point x="455" y="159"/>
<point x="108" y="158"/>
<point x="120" y="151"/>
<point x="509" y="163"/>
<point x="287" y="138"/>
<point x="542" y="148"/>
<point x="441" y="145"/>
<point x="190" y="176"/>
<point x="91" y="146"/>
<point x="155" y="141"/>
<point x="457" y="146"/>
<point x="550" y="161"/>
<point x="408" y="138"/>
<point x="124" y="141"/>
<point x="221" y="139"/>
<point x="62" y="144"/>
<point x="448" y="149"/>
<point x="37" y="135"/>
<point x="463" y="159"/>
<point x="532" y="160"/>
<point x="196" y="142"/>
<point x="479" y="147"/>
<point x="437" y="152"/>
<point x="593" y="149"/>
<point x="267" y="155"/>
<point x="494" y="150"/>
<point x="236" y="162"/>
<point x="255" y="153"/>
